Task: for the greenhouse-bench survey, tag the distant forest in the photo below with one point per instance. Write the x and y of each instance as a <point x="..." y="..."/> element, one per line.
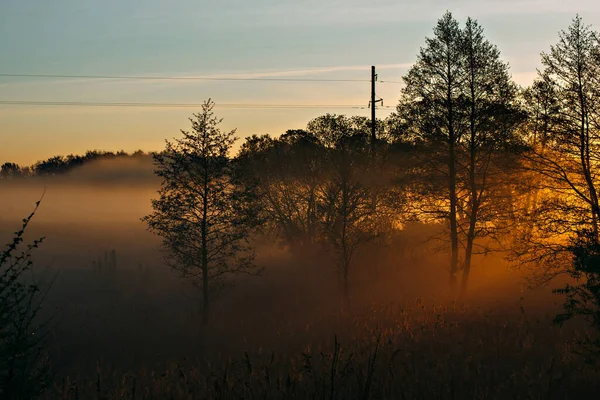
<point x="58" y="165"/>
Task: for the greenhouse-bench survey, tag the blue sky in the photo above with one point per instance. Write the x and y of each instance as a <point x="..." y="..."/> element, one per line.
<point x="258" y="38"/>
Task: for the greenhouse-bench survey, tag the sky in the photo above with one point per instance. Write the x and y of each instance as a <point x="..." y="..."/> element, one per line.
<point x="307" y="39"/>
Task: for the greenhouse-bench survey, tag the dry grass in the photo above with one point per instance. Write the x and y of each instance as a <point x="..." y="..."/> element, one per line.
<point x="381" y="352"/>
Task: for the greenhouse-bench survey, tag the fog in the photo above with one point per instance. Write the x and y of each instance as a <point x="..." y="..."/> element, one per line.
<point x="144" y="314"/>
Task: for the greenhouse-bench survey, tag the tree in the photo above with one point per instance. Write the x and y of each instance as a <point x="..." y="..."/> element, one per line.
<point x="566" y="164"/>
<point x="286" y="173"/>
<point x="540" y="103"/>
<point x="199" y="212"/>
<point x="490" y="143"/>
<point x="23" y="368"/>
<point x="574" y="67"/>
<point x="460" y="110"/>
<point x="52" y="166"/>
<point x="429" y="111"/>
<point x="345" y="202"/>
<point x="314" y="186"/>
<point x="565" y="234"/>
<point x="10" y="170"/>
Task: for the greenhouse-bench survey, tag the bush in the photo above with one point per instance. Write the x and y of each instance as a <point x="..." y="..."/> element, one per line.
<point x="583" y="299"/>
<point x="23" y="367"/>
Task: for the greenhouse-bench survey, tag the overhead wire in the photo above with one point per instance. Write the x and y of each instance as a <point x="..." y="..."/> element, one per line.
<point x="180" y="105"/>
<point x="173" y="105"/>
<point x="183" y="78"/>
<point x="172" y="78"/>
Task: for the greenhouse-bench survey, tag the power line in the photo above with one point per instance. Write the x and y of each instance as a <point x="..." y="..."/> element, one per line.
<point x="172" y="105"/>
<point x="181" y="78"/>
<point x="247" y="106"/>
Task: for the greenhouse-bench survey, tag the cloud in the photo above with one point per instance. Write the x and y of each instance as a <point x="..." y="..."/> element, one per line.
<point x="179" y="89"/>
<point x="303" y="71"/>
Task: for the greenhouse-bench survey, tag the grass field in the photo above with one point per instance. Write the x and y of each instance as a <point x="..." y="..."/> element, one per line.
<point x="420" y="351"/>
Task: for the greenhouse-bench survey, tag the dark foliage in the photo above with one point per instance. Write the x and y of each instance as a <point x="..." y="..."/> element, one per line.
<point x="23" y="365"/>
<point x="583" y="298"/>
<point x="58" y="165"/>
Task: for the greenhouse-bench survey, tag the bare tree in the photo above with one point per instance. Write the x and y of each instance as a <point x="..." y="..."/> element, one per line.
<point x="566" y="161"/>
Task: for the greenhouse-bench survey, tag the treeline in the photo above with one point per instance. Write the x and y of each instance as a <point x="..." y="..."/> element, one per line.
<point x="58" y="165"/>
<point x="495" y="166"/>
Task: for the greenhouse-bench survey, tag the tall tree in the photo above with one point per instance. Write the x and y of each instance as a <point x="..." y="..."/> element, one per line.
<point x="493" y="116"/>
<point x="567" y="163"/>
<point x="460" y="110"/>
<point x="430" y="113"/>
<point x="199" y="210"/>
<point x="574" y="66"/>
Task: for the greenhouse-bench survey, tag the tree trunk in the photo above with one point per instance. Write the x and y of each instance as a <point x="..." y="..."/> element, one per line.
<point x="466" y="270"/>
<point x="452" y="177"/>
<point x="453" y="207"/>
<point x="346" y="287"/>
<point x="595" y="223"/>
<point x="205" y="277"/>
<point x="468" y="257"/>
<point x="473" y="201"/>
<point x="205" y="303"/>
<point x="470" y="237"/>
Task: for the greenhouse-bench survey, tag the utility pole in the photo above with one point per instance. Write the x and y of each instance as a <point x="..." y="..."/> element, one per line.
<point x="372" y="161"/>
<point x="372" y="104"/>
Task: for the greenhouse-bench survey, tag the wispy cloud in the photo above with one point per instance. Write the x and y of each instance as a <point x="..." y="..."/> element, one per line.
<point x="302" y="71"/>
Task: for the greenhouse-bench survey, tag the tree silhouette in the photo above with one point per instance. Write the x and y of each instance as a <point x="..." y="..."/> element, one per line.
<point x="10" y="170"/>
<point x="491" y="142"/>
<point x="564" y="159"/>
<point x="345" y="202"/>
<point x="287" y="172"/>
<point x="460" y="110"/>
<point x="198" y="212"/>
<point x="429" y="111"/>
<point x="314" y="186"/>
<point x="52" y="166"/>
